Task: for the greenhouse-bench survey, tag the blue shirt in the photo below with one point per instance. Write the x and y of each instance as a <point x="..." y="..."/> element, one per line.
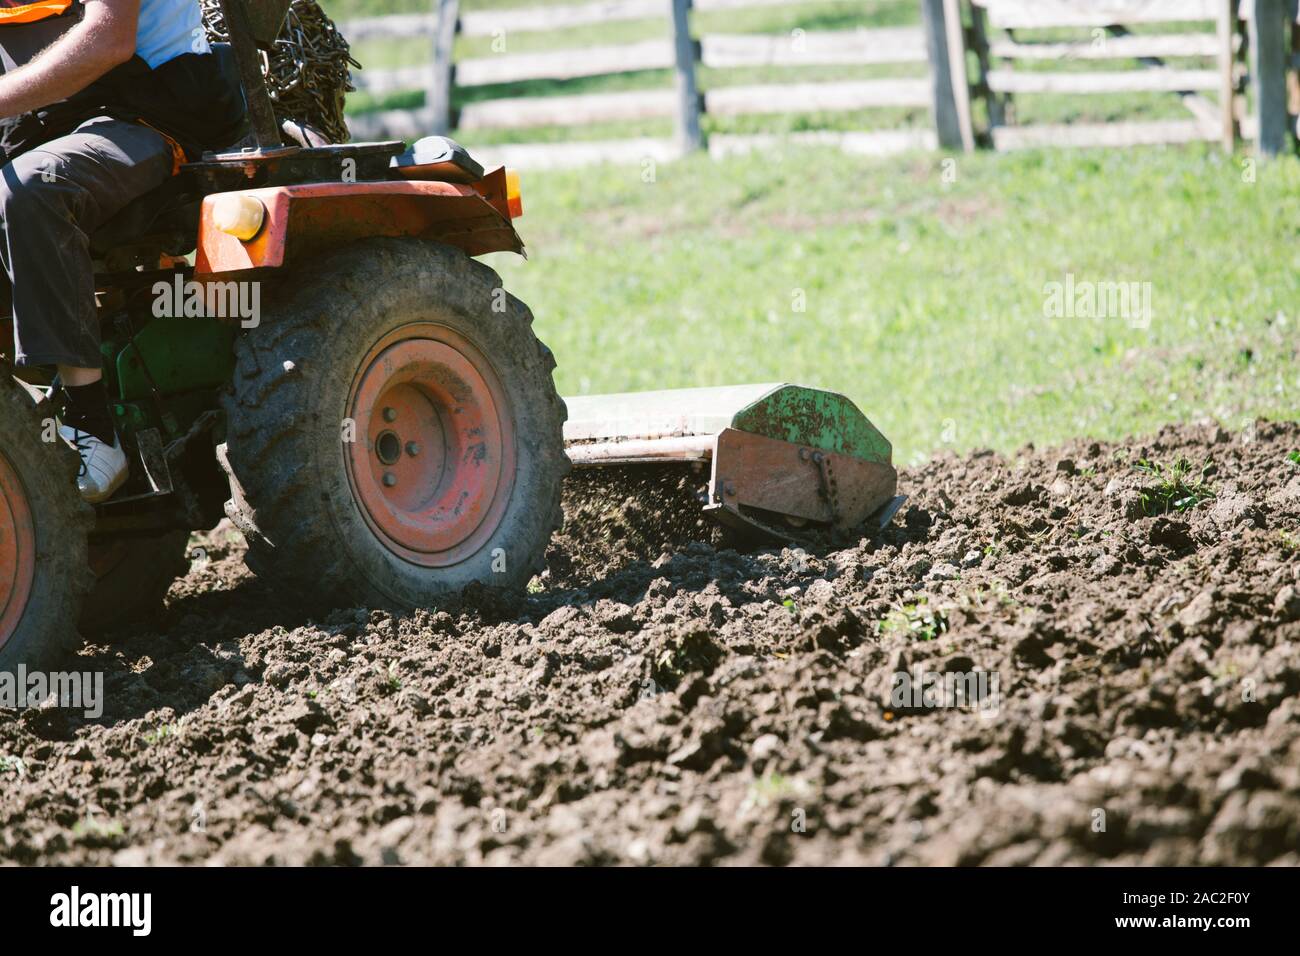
<point x="169" y="28"/>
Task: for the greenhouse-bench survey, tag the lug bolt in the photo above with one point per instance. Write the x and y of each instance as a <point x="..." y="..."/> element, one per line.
<point x="390" y="414"/>
<point x="390" y="479"/>
<point x="412" y="448"/>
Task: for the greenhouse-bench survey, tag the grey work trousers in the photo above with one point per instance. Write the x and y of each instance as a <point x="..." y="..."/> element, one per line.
<point x="52" y="199"/>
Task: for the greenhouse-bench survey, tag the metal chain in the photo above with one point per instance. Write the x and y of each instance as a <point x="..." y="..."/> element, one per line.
<point x="308" y="70"/>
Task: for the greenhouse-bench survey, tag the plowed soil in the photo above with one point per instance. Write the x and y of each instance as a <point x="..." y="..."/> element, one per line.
<point x="657" y="698"/>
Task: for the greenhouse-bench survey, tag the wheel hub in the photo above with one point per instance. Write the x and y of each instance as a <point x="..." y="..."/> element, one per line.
<point x="432" y="466"/>
<point x="17" y="550"/>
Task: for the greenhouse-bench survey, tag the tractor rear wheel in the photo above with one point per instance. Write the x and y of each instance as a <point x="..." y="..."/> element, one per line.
<point x="43" y="526"/>
<point x="393" y="432"/>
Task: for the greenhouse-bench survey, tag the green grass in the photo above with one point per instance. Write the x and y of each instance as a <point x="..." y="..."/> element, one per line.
<point x="917" y="619"/>
<point x="1177" y="486"/>
<point x="925" y="302"/>
<point x="13" y="765"/>
<point x="161" y="733"/>
<point x="97" y="830"/>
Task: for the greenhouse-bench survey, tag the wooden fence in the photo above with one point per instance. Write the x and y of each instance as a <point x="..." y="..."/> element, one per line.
<point x="677" y="51"/>
<point x="972" y="48"/>
<point x="1211" y="88"/>
<point x="999" y="50"/>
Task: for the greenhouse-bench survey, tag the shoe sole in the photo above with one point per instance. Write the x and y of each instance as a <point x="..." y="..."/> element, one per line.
<point x="110" y="491"/>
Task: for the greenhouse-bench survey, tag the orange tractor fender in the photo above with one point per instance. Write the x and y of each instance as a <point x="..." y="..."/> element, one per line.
<point x="287" y="224"/>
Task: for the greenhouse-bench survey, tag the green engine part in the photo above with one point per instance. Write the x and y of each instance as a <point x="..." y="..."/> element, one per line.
<point x="186" y="359"/>
<point x="179" y="355"/>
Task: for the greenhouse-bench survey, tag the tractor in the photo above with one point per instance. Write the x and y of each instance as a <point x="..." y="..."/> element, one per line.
<point x="297" y="337"/>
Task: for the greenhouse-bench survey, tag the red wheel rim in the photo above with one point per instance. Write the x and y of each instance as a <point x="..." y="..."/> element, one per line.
<point x="17" y="551"/>
<point x="432" y="464"/>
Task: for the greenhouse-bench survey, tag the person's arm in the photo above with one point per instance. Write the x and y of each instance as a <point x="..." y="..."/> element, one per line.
<point x="104" y="38"/>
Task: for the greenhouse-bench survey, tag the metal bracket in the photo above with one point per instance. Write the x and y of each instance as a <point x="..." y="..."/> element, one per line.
<point x="243" y="40"/>
<point x="886" y="514"/>
<point x="154" y="460"/>
<point x="201" y="424"/>
<point x="731" y="517"/>
<point x="826" y="472"/>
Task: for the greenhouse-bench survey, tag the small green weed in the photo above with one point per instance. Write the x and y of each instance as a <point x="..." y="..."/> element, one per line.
<point x="917" y="618"/>
<point x="1175" y="487"/>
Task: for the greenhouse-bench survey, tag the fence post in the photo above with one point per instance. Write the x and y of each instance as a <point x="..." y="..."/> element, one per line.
<point x="980" y="43"/>
<point x="1229" y="15"/>
<point x="688" y="97"/>
<point x="1270" y="36"/>
<point x="947" y="52"/>
<point x="437" y="97"/>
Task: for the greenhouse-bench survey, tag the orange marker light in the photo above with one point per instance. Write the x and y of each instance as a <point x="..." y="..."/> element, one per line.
<point x="238" y="216"/>
<point x="514" y="198"/>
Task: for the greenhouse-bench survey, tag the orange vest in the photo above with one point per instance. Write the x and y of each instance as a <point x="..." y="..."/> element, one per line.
<point x="27" y="11"/>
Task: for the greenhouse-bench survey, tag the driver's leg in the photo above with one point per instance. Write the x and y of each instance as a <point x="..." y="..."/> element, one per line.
<point x="52" y="198"/>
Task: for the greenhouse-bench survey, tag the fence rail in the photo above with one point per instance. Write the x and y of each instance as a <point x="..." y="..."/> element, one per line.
<point x="1115" y="48"/>
<point x="1029" y="14"/>
<point x="718" y="51"/>
<point x="539" y="19"/>
<point x="879" y="46"/>
<point x="1250" y="40"/>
